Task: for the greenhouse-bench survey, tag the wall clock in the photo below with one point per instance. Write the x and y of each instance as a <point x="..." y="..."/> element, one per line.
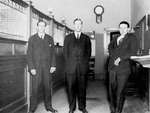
<point x="98" y="10"/>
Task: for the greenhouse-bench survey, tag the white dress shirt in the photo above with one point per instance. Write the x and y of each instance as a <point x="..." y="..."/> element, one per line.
<point x="41" y="35"/>
<point x="77" y="34"/>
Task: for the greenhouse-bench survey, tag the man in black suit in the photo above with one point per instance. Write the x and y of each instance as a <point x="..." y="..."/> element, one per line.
<point x="121" y="49"/>
<point x="77" y="52"/>
<point x="40" y="56"/>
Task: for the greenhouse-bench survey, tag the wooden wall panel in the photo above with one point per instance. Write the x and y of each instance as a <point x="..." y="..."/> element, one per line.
<point x="147" y="40"/>
<point x="12" y="89"/>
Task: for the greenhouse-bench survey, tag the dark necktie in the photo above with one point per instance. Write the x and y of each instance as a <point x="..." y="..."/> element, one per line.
<point x="78" y="36"/>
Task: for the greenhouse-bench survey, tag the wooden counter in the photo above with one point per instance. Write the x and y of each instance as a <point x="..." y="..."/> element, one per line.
<point x="145" y="61"/>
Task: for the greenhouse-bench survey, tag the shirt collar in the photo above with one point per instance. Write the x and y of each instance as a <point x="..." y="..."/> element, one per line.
<point x="77" y="33"/>
<point x="41" y="35"/>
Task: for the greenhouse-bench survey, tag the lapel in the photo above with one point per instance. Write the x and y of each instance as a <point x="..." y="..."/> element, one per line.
<point x="37" y="36"/>
<point x="81" y="36"/>
<point x="74" y="36"/>
<point x="45" y="37"/>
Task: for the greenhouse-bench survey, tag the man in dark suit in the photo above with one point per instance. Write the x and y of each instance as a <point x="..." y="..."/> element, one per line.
<point x="77" y="52"/>
<point x="40" y="54"/>
<point x="121" y="49"/>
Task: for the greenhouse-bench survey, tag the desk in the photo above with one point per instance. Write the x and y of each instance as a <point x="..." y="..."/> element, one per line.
<point x="145" y="61"/>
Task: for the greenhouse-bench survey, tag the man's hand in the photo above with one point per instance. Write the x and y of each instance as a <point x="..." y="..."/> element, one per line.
<point x="120" y="38"/>
<point x="117" y="61"/>
<point x="52" y="69"/>
<point x="33" y="71"/>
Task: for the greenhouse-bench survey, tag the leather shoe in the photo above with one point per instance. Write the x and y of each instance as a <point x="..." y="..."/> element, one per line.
<point x="84" y="111"/>
<point x="112" y="111"/>
<point x="52" y="110"/>
<point x="71" y="111"/>
<point x="30" y="112"/>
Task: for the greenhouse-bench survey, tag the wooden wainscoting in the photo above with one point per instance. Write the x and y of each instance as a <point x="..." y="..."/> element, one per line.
<point x="12" y="82"/>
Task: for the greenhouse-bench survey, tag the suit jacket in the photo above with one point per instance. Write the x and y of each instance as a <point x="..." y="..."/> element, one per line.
<point x="126" y="49"/>
<point x="77" y="52"/>
<point x="40" y="50"/>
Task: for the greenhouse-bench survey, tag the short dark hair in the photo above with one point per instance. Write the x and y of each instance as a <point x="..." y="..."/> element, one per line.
<point x="125" y="22"/>
<point x="41" y="21"/>
<point x="78" y="19"/>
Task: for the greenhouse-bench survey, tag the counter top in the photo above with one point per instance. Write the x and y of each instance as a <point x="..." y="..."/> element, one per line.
<point x="144" y="60"/>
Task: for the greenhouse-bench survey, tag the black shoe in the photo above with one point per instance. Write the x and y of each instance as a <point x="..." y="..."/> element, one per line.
<point x="30" y="112"/>
<point x="112" y="112"/>
<point x="71" y="111"/>
<point x="52" y="110"/>
<point x="84" y="111"/>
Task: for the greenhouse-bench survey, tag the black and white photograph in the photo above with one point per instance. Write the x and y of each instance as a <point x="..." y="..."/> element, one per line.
<point x="74" y="56"/>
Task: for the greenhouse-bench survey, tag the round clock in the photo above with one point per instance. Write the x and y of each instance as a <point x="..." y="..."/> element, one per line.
<point x="99" y="10"/>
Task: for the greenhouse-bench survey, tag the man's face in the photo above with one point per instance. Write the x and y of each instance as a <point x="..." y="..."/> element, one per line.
<point x="78" y="26"/>
<point x="41" y="27"/>
<point x="123" y="28"/>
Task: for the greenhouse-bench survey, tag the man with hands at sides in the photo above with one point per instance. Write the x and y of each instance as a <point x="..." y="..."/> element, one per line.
<point x="77" y="52"/>
<point x="40" y="56"/>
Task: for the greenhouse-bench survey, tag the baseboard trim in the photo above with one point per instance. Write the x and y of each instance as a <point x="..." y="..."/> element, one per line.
<point x="17" y="109"/>
<point x="12" y="107"/>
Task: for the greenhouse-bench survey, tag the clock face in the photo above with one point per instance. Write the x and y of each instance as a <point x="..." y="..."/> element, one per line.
<point x="98" y="10"/>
